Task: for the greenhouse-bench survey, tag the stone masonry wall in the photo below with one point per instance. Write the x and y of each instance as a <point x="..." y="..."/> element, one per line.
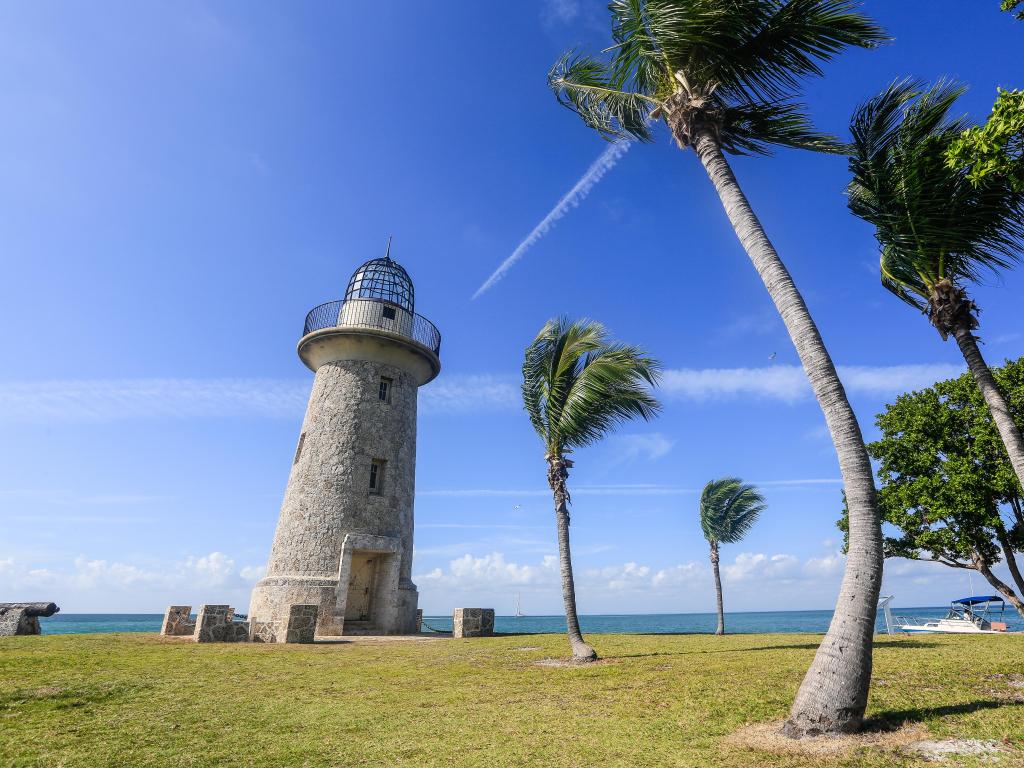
<point x="178" y="621"/>
<point x="346" y="427"/>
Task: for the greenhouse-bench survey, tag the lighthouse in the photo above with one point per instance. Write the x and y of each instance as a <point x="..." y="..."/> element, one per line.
<point x="344" y="537"/>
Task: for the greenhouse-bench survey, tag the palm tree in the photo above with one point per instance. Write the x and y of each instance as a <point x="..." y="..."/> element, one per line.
<point x="937" y="227"/>
<point x="728" y="509"/>
<point x="724" y="76"/>
<point x="576" y="387"/>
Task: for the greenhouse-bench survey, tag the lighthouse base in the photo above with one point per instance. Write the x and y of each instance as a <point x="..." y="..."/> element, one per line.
<point x="368" y="596"/>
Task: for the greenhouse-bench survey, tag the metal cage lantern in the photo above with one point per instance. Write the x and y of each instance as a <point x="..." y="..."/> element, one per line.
<point x="382" y="279"/>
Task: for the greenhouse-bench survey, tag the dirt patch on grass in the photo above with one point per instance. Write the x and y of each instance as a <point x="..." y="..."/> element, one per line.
<point x="768" y="737"/>
<point x="938" y="751"/>
<point x="562" y="663"/>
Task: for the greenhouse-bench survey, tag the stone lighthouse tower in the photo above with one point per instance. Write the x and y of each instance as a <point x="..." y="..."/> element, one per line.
<point x="344" y="537"/>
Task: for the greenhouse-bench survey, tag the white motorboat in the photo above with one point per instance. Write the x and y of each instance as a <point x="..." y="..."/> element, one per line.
<point x="976" y="615"/>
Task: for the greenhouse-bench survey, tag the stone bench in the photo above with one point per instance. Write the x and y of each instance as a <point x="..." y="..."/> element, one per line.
<point x="473" y="622"/>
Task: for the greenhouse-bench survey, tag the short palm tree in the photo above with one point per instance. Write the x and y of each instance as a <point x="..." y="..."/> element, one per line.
<point x="724" y="75"/>
<point x="576" y="387"/>
<point x="938" y="229"/>
<point x="728" y="509"/>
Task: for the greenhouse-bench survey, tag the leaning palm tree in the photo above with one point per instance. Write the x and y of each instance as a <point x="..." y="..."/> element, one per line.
<point x="724" y="76"/>
<point x="576" y="387"/>
<point x="728" y="509"/>
<point x="936" y="226"/>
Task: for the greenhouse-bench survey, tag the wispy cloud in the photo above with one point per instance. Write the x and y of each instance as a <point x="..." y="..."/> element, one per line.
<point x="77" y="499"/>
<point x="128" y="399"/>
<point x="481" y="392"/>
<point x="789" y="384"/>
<point x="626" y="489"/>
<point x="581" y="490"/>
<point x="100" y="400"/>
<point x="649" y="446"/>
<point x="563" y="11"/>
<point x="604" y="163"/>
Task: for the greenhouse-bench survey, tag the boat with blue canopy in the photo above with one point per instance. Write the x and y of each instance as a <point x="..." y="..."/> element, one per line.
<point x="976" y="614"/>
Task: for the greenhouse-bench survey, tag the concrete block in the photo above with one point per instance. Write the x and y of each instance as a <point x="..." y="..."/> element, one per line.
<point x="473" y="622"/>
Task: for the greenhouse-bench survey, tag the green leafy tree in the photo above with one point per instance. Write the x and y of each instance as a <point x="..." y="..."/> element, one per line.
<point x="946" y="485"/>
<point x="995" y="148"/>
<point x="725" y="77"/>
<point x="577" y="386"/>
<point x="937" y="229"/>
<point x="728" y="509"/>
<point x="1013" y="5"/>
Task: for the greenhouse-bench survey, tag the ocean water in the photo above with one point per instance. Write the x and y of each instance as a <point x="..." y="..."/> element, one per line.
<point x="664" y="623"/>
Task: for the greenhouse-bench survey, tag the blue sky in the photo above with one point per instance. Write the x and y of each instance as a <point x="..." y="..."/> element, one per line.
<point x="181" y="183"/>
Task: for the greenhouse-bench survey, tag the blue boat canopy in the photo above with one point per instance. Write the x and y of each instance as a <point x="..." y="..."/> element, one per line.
<point x="979" y="599"/>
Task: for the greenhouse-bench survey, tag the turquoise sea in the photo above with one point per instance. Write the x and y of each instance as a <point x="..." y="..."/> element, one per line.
<point x="664" y="623"/>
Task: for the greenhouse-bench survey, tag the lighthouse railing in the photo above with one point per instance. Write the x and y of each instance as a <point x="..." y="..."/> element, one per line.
<point x="367" y="313"/>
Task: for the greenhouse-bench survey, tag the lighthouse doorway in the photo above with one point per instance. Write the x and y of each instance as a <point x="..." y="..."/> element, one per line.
<point x="361" y="586"/>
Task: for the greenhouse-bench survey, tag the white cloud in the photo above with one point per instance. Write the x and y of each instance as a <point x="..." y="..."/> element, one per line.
<point x="563" y="11"/>
<point x="649" y="446"/>
<point x="493" y="570"/>
<point x="253" y="573"/>
<point x="789" y="384"/>
<point x="124" y="586"/>
<point x="604" y="163"/>
<point x="494" y="573"/>
<point x="629" y="576"/>
<point x="682" y="575"/>
<point x="761" y="568"/>
<point x="826" y="566"/>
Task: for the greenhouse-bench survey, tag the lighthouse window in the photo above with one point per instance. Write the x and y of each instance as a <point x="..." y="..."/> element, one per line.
<point x="385" y="389"/>
<point x="298" y="448"/>
<point x="388" y="313"/>
<point x="377" y="475"/>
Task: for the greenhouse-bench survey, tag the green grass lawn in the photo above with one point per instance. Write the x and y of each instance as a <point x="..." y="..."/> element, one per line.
<point x="668" y="700"/>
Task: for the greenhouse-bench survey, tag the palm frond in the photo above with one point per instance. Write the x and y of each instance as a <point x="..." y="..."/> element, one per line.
<point x="755" y="128"/>
<point x="931" y="222"/>
<point x="589" y="88"/>
<point x="577" y="385"/>
<point x="744" y="60"/>
<point x="728" y="509"/>
<point x="767" y="47"/>
<point x="639" y="64"/>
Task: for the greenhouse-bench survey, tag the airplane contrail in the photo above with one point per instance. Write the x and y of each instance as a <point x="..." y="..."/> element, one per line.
<point x="604" y="163"/>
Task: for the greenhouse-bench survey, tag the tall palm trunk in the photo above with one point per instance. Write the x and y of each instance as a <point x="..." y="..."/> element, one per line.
<point x="997" y="405"/>
<point x="558" y="472"/>
<point x="718" y="588"/>
<point x="834" y="694"/>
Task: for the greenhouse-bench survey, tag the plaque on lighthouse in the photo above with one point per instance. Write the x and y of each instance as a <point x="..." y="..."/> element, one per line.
<point x="345" y="533"/>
